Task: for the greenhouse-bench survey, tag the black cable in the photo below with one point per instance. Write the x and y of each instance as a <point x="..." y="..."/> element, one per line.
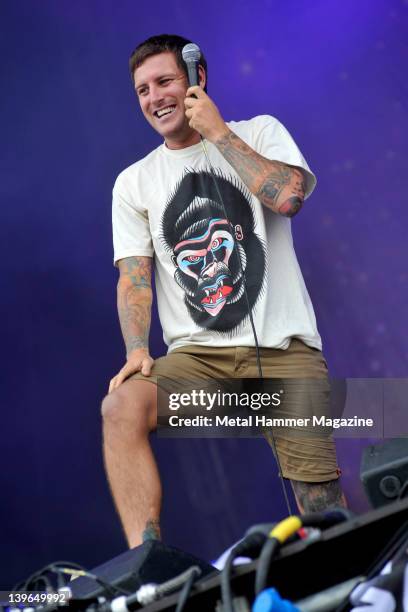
<point x="23" y="584"/>
<point x="34" y="580"/>
<point x="109" y="587"/>
<point x="327" y="518"/>
<point x="226" y="590"/>
<point x="258" y="357"/>
<point x="248" y="546"/>
<point x="268" y="551"/>
<point x="185" y="591"/>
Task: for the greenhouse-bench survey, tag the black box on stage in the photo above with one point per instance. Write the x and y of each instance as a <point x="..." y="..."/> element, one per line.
<point x="384" y="471"/>
<point x="150" y="562"/>
<point x="303" y="568"/>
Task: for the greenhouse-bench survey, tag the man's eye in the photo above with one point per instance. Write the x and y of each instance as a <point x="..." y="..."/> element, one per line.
<point x="142" y="92"/>
<point x="165" y="81"/>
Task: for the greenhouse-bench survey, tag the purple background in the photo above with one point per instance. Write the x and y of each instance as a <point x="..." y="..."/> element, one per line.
<point x="335" y="74"/>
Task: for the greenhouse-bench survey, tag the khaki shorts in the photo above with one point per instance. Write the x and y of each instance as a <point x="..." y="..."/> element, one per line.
<point x="308" y="458"/>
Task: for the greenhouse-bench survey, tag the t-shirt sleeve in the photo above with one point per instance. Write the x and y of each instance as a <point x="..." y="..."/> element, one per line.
<point x="274" y="142"/>
<point x="130" y="224"/>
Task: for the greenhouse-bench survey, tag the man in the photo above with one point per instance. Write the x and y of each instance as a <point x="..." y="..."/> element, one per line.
<point x="169" y="206"/>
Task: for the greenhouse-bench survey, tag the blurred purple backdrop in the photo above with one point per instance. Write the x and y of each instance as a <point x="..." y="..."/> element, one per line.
<point x="335" y="74"/>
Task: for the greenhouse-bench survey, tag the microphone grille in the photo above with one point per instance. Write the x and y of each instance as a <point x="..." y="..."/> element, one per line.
<point x="191" y="53"/>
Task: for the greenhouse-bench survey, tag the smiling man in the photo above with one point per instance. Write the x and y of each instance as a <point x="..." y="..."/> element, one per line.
<point x="222" y="250"/>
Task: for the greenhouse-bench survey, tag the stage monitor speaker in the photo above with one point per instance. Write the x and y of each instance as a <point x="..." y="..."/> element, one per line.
<point x="150" y="562"/>
<point x="384" y="471"/>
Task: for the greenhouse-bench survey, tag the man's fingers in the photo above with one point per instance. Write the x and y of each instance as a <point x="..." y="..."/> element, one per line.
<point x="112" y="384"/>
<point x="190" y="102"/>
<point x="126" y="371"/>
<point x="147" y="366"/>
<point x="197" y="91"/>
<point x="116" y="381"/>
<point x="144" y="366"/>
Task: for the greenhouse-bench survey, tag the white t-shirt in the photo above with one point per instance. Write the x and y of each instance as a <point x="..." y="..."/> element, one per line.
<point x="167" y="206"/>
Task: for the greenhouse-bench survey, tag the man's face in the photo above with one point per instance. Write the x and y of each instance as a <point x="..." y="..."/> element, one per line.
<point x="161" y="87"/>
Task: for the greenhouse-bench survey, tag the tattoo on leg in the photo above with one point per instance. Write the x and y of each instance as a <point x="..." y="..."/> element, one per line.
<point x="318" y="496"/>
<point x="152" y="531"/>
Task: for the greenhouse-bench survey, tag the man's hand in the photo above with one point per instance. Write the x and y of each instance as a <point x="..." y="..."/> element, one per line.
<point x="203" y="115"/>
<point x="138" y="360"/>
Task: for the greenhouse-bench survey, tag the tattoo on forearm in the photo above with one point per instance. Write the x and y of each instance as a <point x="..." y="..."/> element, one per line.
<point x="138" y="269"/>
<point x="273" y="185"/>
<point x="318" y="496"/>
<point x="151" y="531"/>
<point x="277" y="185"/>
<point x="134" y="301"/>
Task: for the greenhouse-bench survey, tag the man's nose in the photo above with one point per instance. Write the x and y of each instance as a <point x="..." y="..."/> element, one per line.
<point x="156" y="94"/>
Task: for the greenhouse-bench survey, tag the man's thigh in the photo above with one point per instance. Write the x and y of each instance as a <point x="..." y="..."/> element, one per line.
<point x="192" y="363"/>
<point x="190" y="368"/>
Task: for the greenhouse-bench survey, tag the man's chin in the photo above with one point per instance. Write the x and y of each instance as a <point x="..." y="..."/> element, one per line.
<point x="175" y="130"/>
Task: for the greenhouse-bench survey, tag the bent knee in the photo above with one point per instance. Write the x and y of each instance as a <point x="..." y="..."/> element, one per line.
<point x="124" y="406"/>
<point x="111" y="407"/>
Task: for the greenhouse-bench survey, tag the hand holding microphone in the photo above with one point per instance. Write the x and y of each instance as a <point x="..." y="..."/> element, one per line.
<point x="203" y="115"/>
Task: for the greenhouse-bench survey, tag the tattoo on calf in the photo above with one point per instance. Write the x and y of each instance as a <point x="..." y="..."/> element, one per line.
<point x="318" y="496"/>
<point x="151" y="531"/>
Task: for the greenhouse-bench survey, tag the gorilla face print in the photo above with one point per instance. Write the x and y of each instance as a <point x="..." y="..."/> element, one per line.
<point x="206" y="258"/>
<point x="205" y="246"/>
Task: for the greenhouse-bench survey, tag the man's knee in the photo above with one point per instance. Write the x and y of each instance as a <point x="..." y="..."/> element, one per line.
<point x="130" y="405"/>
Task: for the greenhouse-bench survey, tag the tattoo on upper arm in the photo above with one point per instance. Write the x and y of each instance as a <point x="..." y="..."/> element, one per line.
<point x="318" y="496"/>
<point x="134" y="301"/>
<point x="277" y="185"/>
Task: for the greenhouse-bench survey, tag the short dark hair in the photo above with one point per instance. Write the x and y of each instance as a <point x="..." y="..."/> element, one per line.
<point x="160" y="44"/>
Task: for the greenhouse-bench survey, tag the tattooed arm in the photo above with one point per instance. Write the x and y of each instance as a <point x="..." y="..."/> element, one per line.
<point x="134" y="308"/>
<point x="278" y="186"/>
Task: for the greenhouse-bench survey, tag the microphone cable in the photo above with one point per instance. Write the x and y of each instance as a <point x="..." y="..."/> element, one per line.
<point x="191" y="55"/>
<point x="251" y="319"/>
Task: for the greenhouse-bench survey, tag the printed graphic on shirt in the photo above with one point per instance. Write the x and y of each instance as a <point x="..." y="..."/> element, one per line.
<point x="205" y="244"/>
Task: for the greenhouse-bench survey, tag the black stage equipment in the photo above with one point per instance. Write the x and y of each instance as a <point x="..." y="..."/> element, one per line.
<point x="150" y="562"/>
<point x="340" y="553"/>
<point x="384" y="471"/>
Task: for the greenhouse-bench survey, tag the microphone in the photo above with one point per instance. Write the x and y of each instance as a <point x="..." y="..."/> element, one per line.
<point x="191" y="55"/>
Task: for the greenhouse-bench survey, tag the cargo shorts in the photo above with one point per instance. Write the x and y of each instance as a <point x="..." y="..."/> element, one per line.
<point x="307" y="458"/>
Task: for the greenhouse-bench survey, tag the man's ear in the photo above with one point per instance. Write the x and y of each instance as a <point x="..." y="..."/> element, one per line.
<point x="202" y="78"/>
